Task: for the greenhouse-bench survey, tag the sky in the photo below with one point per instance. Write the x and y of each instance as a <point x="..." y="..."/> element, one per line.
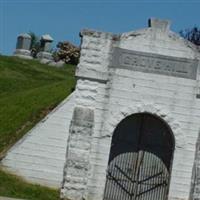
<point x="64" y="19"/>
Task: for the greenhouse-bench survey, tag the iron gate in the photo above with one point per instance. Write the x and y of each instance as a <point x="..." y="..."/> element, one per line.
<point x="140" y="159"/>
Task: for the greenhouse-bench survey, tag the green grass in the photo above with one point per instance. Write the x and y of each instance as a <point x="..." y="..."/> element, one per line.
<point x="28" y="91"/>
<point x="13" y="186"/>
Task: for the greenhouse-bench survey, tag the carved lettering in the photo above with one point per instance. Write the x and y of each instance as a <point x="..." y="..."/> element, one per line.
<point x="152" y="63"/>
<point x="158" y="65"/>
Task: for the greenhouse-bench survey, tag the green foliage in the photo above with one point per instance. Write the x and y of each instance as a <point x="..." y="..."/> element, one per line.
<point x="28" y="90"/>
<point x="191" y="34"/>
<point x="35" y="44"/>
<point x="13" y="186"/>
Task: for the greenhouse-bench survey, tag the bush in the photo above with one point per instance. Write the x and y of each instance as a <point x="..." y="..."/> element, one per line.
<point x="193" y="35"/>
<point x="67" y="52"/>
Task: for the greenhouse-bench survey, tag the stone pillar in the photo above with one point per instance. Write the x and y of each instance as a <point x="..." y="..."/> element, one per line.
<point x="77" y="164"/>
<point x="23" y="46"/>
<point x="195" y="189"/>
<point x="88" y="182"/>
<point x="44" y="55"/>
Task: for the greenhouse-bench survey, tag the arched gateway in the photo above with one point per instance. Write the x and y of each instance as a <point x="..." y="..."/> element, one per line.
<point x="140" y="159"/>
<point x="129" y="76"/>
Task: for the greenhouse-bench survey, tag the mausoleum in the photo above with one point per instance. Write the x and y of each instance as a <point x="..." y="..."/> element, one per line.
<point x="130" y="130"/>
<point x="135" y="122"/>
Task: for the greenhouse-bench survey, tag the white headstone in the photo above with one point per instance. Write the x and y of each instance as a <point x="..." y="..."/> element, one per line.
<point x="46" y="41"/>
<point x="23" y="46"/>
<point x="45" y="56"/>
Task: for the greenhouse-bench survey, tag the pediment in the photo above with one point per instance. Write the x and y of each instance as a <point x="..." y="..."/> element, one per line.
<point x="159" y="39"/>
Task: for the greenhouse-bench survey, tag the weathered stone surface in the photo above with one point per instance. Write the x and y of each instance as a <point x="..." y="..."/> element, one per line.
<point x="22" y="53"/>
<point x="57" y="64"/>
<point x="45" y="57"/>
<point x="154" y="63"/>
<point x="78" y="154"/>
<point x="117" y="88"/>
<point x="23" y="46"/>
<point x="23" y="41"/>
<point x="46" y="41"/>
<point x="47" y="38"/>
<point x="195" y="191"/>
<point x="161" y="25"/>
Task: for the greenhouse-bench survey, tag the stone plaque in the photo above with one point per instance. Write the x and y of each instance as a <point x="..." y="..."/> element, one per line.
<point x="154" y="63"/>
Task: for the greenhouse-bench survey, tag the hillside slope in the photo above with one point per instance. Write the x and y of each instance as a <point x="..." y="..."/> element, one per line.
<point x="28" y="91"/>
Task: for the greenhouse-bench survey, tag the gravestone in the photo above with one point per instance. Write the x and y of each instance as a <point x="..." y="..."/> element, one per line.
<point x="23" y="46"/>
<point x="44" y="55"/>
<point x="46" y="41"/>
<point x="135" y="125"/>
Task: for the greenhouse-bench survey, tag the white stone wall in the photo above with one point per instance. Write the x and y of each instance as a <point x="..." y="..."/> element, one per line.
<point x="180" y="111"/>
<point x="77" y="167"/>
<point x="195" y="190"/>
<point x="39" y="156"/>
<point x="115" y="93"/>
<point x="92" y="73"/>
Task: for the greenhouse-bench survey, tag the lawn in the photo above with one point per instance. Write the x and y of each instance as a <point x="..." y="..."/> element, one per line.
<point x="13" y="186"/>
<point x="28" y="91"/>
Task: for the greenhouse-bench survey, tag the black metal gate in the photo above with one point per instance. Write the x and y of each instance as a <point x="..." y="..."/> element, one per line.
<point x="140" y="159"/>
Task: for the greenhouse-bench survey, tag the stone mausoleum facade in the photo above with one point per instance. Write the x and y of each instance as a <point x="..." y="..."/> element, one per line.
<point x="134" y="133"/>
<point x="130" y="130"/>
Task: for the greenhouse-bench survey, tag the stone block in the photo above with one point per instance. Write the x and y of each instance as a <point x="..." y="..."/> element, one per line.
<point x="45" y="57"/>
<point x="162" y="25"/>
<point x="22" y="53"/>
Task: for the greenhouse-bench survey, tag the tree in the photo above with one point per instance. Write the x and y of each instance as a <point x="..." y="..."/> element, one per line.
<point x="35" y="44"/>
<point x="192" y="34"/>
<point x="67" y="52"/>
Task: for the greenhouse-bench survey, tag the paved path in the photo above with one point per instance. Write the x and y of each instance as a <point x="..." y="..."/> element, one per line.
<point x="6" y="198"/>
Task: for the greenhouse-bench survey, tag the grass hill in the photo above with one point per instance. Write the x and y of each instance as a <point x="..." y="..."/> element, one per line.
<point x="28" y="91"/>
